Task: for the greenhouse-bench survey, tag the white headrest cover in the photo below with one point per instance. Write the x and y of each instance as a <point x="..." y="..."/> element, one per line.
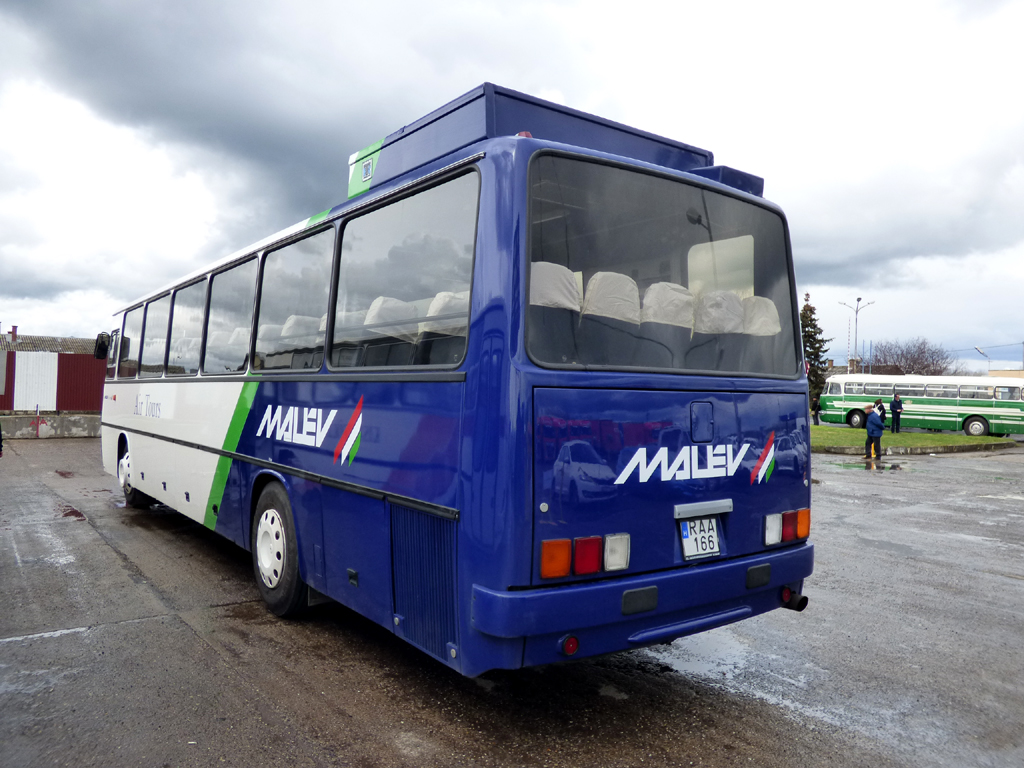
<point x="552" y="285"/>
<point x="760" y="316"/>
<point x="612" y="295"/>
<point x="718" y="312"/>
<point x="385" y="309"/>
<point x="448" y="303"/>
<point x="297" y="324"/>
<point x="668" y="304"/>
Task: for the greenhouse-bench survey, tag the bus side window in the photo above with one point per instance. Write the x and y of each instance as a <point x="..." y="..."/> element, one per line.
<point x="128" y="360"/>
<point x="854" y="388"/>
<point x="293" y="304"/>
<point x="1007" y="393"/>
<point x="154" y="343"/>
<point x="229" y="324"/>
<point x="186" y="330"/>
<point x="404" y="278"/>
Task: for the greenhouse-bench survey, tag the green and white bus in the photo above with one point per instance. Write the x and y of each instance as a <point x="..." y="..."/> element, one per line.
<point x="979" y="405"/>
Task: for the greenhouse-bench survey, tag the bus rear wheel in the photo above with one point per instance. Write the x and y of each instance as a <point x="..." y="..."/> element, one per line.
<point x="275" y="553"/>
<point x="855" y="419"/>
<point x="976" y="427"/>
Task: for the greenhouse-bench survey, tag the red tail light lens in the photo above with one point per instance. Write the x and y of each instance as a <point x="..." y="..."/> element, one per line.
<point x="588" y="555"/>
<point x="789" y="520"/>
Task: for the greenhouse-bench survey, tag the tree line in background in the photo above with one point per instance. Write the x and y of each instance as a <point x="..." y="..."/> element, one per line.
<point x="914" y="356"/>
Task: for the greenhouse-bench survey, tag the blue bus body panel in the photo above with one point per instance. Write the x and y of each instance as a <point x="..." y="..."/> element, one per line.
<point x="586" y="440"/>
<point x="490" y="111"/>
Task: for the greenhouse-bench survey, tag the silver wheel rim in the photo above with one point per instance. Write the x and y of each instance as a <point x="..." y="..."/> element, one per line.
<point x="124" y="473"/>
<point x="270" y="544"/>
<point x="975" y="428"/>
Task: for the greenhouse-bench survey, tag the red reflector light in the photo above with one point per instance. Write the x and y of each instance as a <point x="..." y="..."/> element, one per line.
<point x="789" y="520"/>
<point x="588" y="555"/>
<point x="525" y="134"/>
<point x="787" y="593"/>
<point x="570" y="645"/>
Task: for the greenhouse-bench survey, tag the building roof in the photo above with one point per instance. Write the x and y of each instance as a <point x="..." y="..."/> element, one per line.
<point x="63" y="344"/>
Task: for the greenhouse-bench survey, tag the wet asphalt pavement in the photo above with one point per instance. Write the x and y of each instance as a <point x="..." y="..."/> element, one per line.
<point x="137" y="638"/>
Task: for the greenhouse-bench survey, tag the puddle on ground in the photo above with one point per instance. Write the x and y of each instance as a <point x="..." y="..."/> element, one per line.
<point x="870" y="464"/>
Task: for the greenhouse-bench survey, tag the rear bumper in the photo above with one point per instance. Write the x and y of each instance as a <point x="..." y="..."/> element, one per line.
<point x="688" y="600"/>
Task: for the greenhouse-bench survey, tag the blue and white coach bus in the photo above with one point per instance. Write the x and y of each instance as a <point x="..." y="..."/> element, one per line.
<point x="517" y="399"/>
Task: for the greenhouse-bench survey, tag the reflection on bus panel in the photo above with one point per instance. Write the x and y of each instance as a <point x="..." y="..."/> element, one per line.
<point x="533" y="392"/>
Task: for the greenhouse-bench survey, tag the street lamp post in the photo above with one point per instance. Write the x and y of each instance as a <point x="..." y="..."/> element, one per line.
<point x="856" y="311"/>
<point x="986" y="357"/>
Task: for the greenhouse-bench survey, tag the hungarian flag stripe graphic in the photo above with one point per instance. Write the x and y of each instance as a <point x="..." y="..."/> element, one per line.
<point x="349" y="442"/>
<point x="765" y="463"/>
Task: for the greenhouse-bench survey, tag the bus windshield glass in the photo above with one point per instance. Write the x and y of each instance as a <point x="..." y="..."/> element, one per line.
<point x="633" y="270"/>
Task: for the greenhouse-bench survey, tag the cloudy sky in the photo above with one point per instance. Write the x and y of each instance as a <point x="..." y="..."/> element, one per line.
<point x="140" y="140"/>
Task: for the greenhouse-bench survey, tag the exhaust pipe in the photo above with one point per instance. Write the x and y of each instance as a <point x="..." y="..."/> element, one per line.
<point x="796" y="602"/>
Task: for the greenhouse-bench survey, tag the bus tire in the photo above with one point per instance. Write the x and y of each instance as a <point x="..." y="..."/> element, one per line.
<point x="855" y="419"/>
<point x="275" y="553"/>
<point x="133" y="497"/>
<point x="976" y="427"/>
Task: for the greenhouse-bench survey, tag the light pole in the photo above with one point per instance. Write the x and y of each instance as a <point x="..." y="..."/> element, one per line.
<point x="986" y="357"/>
<point x="856" y="311"/>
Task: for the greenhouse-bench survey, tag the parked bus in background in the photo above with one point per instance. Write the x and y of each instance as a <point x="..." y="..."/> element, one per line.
<point x="979" y="405"/>
<point x="516" y="399"/>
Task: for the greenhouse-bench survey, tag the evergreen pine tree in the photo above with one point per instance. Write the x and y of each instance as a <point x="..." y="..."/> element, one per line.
<point x="815" y="347"/>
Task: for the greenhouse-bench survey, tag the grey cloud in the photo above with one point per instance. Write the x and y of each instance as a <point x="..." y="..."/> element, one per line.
<point x="280" y="94"/>
<point x="875" y="227"/>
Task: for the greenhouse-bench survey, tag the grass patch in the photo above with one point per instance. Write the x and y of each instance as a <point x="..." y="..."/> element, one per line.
<point x="827" y="437"/>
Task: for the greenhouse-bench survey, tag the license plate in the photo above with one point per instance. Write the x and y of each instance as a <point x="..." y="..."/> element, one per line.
<point x="700" y="537"/>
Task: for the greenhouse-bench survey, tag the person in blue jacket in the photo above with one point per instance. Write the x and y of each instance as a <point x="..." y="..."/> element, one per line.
<point x="875" y="430"/>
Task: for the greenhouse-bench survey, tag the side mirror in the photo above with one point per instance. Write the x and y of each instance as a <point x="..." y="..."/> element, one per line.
<point x="102" y="346"/>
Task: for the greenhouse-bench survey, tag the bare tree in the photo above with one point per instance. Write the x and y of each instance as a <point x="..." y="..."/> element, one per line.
<point x="915" y="356"/>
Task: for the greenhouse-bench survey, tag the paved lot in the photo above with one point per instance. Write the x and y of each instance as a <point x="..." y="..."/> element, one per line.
<point x="136" y="638"/>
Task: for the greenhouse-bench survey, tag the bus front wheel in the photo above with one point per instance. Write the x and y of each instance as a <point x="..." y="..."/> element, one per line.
<point x="133" y="497"/>
<point x="275" y="553"/>
<point x="855" y="419"/>
<point x="976" y="427"/>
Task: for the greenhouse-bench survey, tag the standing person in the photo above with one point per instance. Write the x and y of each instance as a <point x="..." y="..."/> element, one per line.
<point x="875" y="430"/>
<point x="880" y="410"/>
<point x="896" y="406"/>
<point x="815" y="410"/>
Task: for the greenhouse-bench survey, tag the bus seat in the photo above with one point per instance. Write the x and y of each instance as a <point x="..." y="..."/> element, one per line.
<point x="392" y="330"/>
<point x="301" y="332"/>
<point x="610" y="321"/>
<point x="760" y="316"/>
<point x="554" y="313"/>
<point x="349" y="336"/>
<point x="443" y="341"/>
<point x="718" y="312"/>
<point x="666" y="323"/>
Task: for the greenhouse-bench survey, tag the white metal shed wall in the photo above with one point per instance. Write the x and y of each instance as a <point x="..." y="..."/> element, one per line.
<point x="35" y="381"/>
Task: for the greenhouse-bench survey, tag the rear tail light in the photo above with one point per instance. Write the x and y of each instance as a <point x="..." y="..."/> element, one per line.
<point x="787" y="526"/>
<point x="616" y="552"/>
<point x="555" y="558"/>
<point x="588" y="555"/>
<point x="584" y="555"/>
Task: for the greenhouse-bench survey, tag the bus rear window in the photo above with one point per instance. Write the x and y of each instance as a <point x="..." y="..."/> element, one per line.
<point x="630" y="270"/>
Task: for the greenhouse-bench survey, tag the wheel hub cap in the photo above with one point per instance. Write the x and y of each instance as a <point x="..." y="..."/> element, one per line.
<point x="270" y="545"/>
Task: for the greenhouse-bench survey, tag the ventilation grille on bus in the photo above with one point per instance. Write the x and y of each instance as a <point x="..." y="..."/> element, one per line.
<point x="423" y="553"/>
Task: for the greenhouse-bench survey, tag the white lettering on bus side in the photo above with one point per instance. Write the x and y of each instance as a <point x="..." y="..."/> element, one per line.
<point x="295" y="424"/>
<point x="719" y="462"/>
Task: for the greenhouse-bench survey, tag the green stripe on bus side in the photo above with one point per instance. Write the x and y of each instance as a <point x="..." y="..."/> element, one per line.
<point x="357" y="185"/>
<point x="317" y="219"/>
<point x="220" y="476"/>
